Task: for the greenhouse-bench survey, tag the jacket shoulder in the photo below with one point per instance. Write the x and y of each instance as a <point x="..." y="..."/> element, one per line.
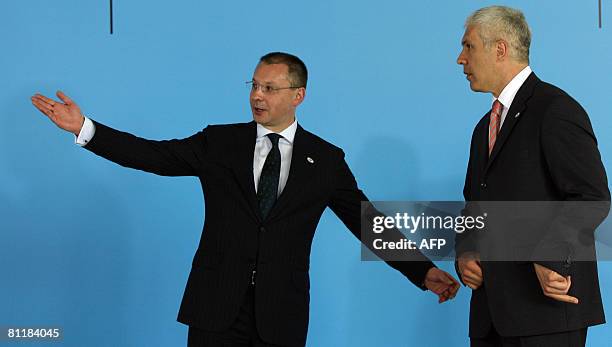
<point x="228" y="128"/>
<point x="320" y="144"/>
<point x="556" y="100"/>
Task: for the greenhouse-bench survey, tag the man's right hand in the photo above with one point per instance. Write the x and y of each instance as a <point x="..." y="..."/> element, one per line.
<point x="66" y="115"/>
<point x="469" y="268"/>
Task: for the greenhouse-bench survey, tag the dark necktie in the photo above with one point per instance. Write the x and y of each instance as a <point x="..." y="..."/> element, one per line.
<point x="267" y="187"/>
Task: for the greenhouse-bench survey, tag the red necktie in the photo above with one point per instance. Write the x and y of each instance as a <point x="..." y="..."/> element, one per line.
<point x="494" y="120"/>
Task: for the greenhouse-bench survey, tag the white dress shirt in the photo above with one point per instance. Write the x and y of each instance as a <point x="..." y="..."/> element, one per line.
<point x="87" y="132"/>
<point x="507" y="95"/>
<point x="263" y="145"/>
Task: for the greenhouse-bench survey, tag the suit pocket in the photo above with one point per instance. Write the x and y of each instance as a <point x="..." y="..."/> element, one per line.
<point x="301" y="280"/>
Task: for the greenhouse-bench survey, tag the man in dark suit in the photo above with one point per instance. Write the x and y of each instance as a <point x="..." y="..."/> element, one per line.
<point x="536" y="144"/>
<point x="266" y="184"/>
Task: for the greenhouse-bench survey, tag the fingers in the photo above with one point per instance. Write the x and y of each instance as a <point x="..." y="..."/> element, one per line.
<point x="57" y="112"/>
<point x="437" y="288"/>
<point x="453" y="285"/>
<point x="64" y="97"/>
<point x="554" y="285"/>
<point x="557" y="287"/>
<point x="44" y="99"/>
<point x="455" y="288"/>
<point x="43" y="106"/>
<point x="443" y="291"/>
<point x="474" y="267"/>
<point x="451" y="279"/>
<point x="437" y="277"/>
<point x="472" y="285"/>
<point x="445" y="277"/>
<point x="444" y="296"/>
<point x="471" y="280"/>
<point x="442" y="284"/>
<point x="552" y="276"/>
<point x="448" y="294"/>
<point x="563" y="298"/>
<point x="451" y="292"/>
<point x="471" y="274"/>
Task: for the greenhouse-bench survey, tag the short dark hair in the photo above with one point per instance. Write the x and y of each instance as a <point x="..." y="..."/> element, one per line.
<point x="298" y="74"/>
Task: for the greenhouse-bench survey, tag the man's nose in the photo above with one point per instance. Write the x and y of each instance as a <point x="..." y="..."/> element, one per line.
<point x="461" y="59"/>
<point x="257" y="94"/>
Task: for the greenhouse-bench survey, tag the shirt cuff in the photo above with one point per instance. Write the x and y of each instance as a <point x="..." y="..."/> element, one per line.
<point x="87" y="132"/>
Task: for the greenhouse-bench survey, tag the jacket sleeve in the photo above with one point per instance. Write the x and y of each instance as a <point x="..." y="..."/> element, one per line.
<point x="570" y="151"/>
<point x="346" y="203"/>
<point x="182" y="157"/>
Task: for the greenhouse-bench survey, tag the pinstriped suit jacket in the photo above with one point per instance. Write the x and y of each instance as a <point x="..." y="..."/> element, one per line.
<point x="235" y="239"/>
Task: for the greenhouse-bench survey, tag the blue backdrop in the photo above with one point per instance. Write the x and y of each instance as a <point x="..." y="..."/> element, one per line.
<point x="104" y="252"/>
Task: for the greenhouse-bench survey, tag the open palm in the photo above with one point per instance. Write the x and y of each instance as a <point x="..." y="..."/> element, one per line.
<point x="65" y="114"/>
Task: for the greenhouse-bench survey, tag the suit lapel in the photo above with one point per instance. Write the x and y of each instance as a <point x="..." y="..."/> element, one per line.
<point x="243" y="166"/>
<point x="482" y="152"/>
<point x="299" y="171"/>
<point x="519" y="104"/>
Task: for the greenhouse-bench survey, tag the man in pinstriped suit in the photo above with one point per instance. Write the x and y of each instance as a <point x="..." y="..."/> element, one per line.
<point x="249" y="283"/>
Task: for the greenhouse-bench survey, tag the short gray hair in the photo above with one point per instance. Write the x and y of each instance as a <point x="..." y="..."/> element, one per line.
<point x="503" y="23"/>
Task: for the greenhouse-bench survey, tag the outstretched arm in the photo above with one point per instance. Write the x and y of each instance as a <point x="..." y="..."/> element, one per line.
<point x="184" y="157"/>
<point x="346" y="204"/>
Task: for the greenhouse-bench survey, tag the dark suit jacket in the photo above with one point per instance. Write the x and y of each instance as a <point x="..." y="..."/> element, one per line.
<point x="546" y="151"/>
<point x="235" y="240"/>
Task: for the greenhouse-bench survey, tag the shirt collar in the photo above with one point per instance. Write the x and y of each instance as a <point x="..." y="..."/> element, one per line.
<point x="507" y="95"/>
<point x="287" y="134"/>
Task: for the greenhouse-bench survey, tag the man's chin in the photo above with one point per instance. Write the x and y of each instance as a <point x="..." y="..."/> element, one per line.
<point x="475" y="88"/>
<point x="260" y="120"/>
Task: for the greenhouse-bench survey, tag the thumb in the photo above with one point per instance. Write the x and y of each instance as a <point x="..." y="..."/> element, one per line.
<point x="64" y="97"/>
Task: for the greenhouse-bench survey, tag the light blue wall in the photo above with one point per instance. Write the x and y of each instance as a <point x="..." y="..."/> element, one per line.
<point x="104" y="252"/>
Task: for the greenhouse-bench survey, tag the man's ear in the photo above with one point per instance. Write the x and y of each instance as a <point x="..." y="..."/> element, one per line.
<point x="299" y="96"/>
<point x="502" y="50"/>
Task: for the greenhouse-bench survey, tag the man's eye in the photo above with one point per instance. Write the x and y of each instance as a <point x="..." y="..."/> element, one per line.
<point x="254" y="86"/>
<point x="268" y="89"/>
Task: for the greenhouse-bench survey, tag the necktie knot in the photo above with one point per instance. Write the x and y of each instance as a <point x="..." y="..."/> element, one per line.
<point x="274" y="139"/>
<point x="496" y="110"/>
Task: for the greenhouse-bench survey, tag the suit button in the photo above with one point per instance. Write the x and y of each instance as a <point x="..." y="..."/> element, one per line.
<point x="262" y="229"/>
<point x="483" y="185"/>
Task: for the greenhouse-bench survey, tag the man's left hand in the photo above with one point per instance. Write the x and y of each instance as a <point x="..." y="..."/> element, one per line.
<point x="442" y="284"/>
<point x="554" y="285"/>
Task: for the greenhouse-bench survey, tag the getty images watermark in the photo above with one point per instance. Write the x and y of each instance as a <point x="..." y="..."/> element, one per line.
<point x="498" y="231"/>
<point x="412" y="224"/>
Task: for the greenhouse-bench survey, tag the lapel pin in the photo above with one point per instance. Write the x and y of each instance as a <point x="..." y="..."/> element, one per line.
<point x="309" y="159"/>
<point x="518" y="114"/>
